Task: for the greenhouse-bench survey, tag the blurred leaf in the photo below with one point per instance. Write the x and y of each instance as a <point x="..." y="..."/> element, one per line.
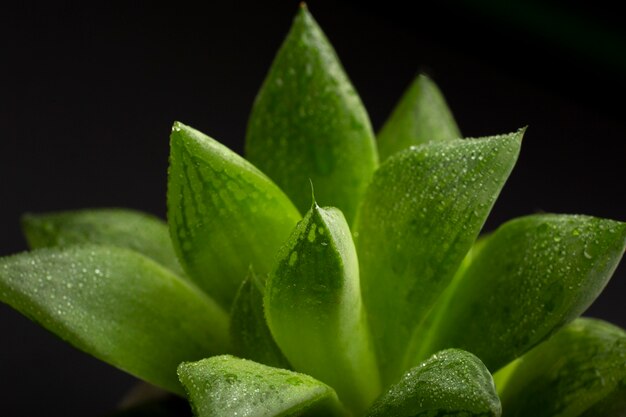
<point x="125" y="228"/>
<point x="250" y="336"/>
<point x="225" y="386"/>
<point x="580" y="371"/>
<point x="314" y="309"/>
<point x="451" y="383"/>
<point x="224" y="214"/>
<point x="421" y="116"/>
<point x="530" y="277"/>
<point x="118" y="306"/>
<point x="309" y="123"/>
<point x="419" y="218"/>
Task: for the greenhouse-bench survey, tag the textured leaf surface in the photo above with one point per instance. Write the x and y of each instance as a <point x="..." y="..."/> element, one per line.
<point x="308" y="123"/>
<point x="118" y="306"/>
<point x="224" y="214"/>
<point x="125" y="228"/>
<point x="529" y="278"/>
<point x="421" y="116"/>
<point x="451" y="383"/>
<point x="314" y="309"/>
<point x="580" y="371"/>
<point x="251" y="338"/>
<point x="419" y="218"/>
<point x="225" y="386"/>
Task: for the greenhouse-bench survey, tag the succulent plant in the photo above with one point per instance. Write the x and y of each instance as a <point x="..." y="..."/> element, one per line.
<point x="333" y="273"/>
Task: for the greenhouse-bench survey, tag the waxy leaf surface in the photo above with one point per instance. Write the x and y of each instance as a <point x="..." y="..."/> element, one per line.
<point x="528" y="278"/>
<point x="314" y="309"/>
<point x="125" y="228"/>
<point x="580" y="371"/>
<point x="250" y="336"/>
<point x="224" y="214"/>
<point x="308" y="123"/>
<point x="225" y="386"/>
<point x="450" y="383"/>
<point x="421" y="116"/>
<point x="118" y="306"/>
<point x="419" y="218"/>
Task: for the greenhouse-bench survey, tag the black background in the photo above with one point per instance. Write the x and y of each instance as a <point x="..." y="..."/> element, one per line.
<point x="89" y="92"/>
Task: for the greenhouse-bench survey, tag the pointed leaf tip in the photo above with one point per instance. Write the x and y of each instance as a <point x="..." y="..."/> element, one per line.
<point x="308" y="122"/>
<point x="219" y="208"/>
<point x="421" y="116"/>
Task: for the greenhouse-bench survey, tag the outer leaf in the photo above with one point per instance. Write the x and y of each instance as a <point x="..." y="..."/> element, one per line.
<point x="225" y="386"/>
<point x="419" y="218"/>
<point x="224" y="214"/>
<point x="314" y="310"/>
<point x="580" y="371"/>
<point x="125" y="228"/>
<point x="451" y="383"/>
<point x="309" y="123"/>
<point x="251" y="338"/>
<point x="529" y="278"/>
<point x="118" y="306"/>
<point x="421" y="116"/>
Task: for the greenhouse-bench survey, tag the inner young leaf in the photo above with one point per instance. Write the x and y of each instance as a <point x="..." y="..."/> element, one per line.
<point x="314" y="309"/>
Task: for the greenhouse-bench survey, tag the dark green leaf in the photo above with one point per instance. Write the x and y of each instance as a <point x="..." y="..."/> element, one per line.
<point x="224" y="214"/>
<point x="225" y="386"/>
<point x="419" y="218"/>
<point x="580" y="371"/>
<point x="314" y="309"/>
<point x="421" y="116"/>
<point x="309" y="123"/>
<point x="529" y="278"/>
<point x="251" y="338"/>
<point x="125" y="228"/>
<point x="118" y="306"/>
<point x="451" y="383"/>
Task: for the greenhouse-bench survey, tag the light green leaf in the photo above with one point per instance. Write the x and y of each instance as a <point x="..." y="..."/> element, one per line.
<point x="530" y="277"/>
<point x="225" y="386"/>
<point x="125" y="228"/>
<point x="314" y="309"/>
<point x="580" y="371"/>
<point x="420" y="116"/>
<point x="250" y="336"/>
<point x="450" y="383"/>
<point x="224" y="214"/>
<point x="419" y="218"/>
<point x="118" y="306"/>
<point x="309" y="123"/>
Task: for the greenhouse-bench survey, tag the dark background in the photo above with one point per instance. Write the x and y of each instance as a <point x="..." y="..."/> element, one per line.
<point x="89" y="92"/>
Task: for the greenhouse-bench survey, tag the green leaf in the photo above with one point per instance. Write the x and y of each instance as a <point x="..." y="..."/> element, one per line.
<point x="118" y="306"/>
<point x="125" y="228"/>
<point x="225" y="386"/>
<point x="580" y="371"/>
<point x="309" y="123"/>
<point x="420" y="116"/>
<point x="314" y="309"/>
<point x="451" y="383"/>
<point x="224" y="214"/>
<point x="419" y="218"/>
<point x="250" y="336"/>
<point x="530" y="277"/>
